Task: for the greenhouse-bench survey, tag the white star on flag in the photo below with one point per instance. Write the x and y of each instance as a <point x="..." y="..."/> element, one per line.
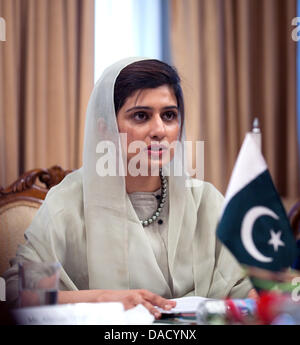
<point x="275" y="240"/>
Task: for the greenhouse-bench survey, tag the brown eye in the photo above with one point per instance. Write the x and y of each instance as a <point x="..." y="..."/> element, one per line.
<point x="169" y="115"/>
<point x="140" y="116"/>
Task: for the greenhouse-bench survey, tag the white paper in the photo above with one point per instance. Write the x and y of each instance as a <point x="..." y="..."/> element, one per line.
<point x="139" y="315"/>
<point x="185" y="305"/>
<point x="83" y="314"/>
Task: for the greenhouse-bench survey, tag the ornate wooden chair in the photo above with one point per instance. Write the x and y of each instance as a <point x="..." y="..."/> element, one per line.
<point x="18" y="205"/>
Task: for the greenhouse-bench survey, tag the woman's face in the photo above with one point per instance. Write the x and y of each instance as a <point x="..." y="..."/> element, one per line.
<point x="150" y="116"/>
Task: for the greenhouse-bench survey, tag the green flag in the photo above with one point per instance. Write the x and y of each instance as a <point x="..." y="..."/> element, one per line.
<point x="254" y="225"/>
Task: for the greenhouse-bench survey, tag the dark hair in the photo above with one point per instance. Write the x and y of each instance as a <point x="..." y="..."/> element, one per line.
<point x="147" y="74"/>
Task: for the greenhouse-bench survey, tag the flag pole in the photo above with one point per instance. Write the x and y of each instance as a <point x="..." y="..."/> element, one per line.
<point x="256" y="133"/>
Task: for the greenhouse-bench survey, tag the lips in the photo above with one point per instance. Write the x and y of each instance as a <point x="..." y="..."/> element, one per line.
<point x="156" y="150"/>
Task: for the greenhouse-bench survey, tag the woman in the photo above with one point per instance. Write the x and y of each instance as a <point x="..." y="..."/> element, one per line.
<point x="124" y="226"/>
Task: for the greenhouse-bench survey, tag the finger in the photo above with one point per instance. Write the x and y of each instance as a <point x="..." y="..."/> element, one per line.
<point x="158" y="300"/>
<point x="152" y="309"/>
<point x="161" y="302"/>
<point x="170" y="304"/>
<point x="132" y="300"/>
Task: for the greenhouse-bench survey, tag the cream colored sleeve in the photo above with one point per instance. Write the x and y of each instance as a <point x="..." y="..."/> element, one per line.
<point x="234" y="282"/>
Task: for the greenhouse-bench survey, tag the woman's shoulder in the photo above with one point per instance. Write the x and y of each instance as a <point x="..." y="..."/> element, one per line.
<point x="67" y="195"/>
<point x="204" y="192"/>
<point x="58" y="223"/>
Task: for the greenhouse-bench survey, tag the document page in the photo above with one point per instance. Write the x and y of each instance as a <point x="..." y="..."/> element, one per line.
<point x="108" y="313"/>
<point x="185" y="305"/>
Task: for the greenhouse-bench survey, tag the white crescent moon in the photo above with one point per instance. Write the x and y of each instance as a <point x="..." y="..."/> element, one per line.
<point x="247" y="227"/>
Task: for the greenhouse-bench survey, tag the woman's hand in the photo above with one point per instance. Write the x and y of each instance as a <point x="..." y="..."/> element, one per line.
<point x="129" y="298"/>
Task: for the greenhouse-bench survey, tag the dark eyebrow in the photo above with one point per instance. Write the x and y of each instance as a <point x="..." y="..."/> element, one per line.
<point x="149" y="108"/>
<point x="137" y="108"/>
<point x="171" y="107"/>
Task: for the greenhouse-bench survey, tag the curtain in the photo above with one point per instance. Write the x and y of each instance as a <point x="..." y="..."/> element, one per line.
<point x="237" y="61"/>
<point x="46" y="69"/>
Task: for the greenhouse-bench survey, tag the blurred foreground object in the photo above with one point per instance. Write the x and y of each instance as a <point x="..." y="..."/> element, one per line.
<point x="108" y="313"/>
<point x="271" y="308"/>
<point x="229" y="311"/>
<point x="278" y="309"/>
<point x="38" y="283"/>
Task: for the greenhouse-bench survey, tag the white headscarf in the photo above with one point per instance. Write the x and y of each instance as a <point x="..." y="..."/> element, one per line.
<point x="114" y="234"/>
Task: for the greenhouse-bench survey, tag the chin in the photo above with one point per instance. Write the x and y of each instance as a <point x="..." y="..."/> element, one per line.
<point x="153" y="166"/>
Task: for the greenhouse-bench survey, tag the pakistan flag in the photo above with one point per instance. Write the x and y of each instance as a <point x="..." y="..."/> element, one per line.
<point x="254" y="225"/>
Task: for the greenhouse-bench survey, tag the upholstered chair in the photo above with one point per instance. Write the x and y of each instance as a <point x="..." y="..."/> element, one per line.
<point x="18" y="204"/>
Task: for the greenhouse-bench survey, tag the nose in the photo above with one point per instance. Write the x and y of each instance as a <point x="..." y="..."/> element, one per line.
<point x="158" y="129"/>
